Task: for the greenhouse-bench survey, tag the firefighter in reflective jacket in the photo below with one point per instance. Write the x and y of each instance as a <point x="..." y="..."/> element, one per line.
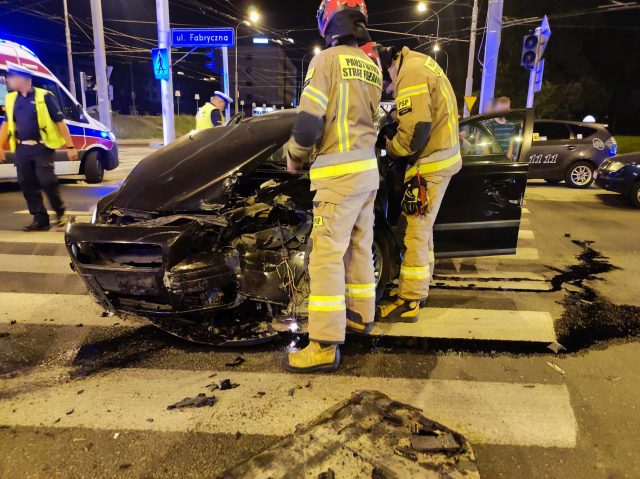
<point x="336" y="115"/>
<point x="211" y="114"/>
<point x="427" y="116"/>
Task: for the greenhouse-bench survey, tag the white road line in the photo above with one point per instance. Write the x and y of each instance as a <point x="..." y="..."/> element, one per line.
<point x="495" y="285"/>
<point x="121" y="400"/>
<point x="69" y="212"/>
<point x="22" y="263"/>
<point x="522" y="254"/>
<point x="525" y="211"/>
<point x="479" y="275"/>
<point x="7" y="236"/>
<point x="526" y="235"/>
<point x="478" y="324"/>
<point x="59" y="309"/>
<point x="443" y="323"/>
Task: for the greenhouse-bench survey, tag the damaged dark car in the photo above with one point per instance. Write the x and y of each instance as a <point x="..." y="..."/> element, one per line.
<point x="208" y="237"/>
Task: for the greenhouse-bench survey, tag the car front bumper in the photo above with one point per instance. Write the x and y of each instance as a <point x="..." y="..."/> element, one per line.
<point x="613" y="181"/>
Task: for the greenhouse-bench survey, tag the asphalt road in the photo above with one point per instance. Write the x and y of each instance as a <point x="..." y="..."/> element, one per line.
<point x="82" y="395"/>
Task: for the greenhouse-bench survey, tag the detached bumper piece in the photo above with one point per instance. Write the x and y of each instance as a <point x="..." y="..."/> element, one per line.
<point x="153" y="270"/>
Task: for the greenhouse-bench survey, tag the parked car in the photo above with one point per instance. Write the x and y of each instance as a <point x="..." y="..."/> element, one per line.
<point x="214" y="223"/>
<point x="97" y="147"/>
<point x="569" y="151"/>
<point x="622" y="175"/>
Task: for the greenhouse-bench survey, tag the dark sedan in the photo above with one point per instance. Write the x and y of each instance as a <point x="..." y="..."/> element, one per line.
<point x="622" y="175"/>
<point x="214" y="222"/>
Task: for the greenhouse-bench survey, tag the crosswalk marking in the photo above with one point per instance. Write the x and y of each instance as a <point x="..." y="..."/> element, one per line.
<point x="7" y="236"/>
<point x="516" y="285"/>
<point x="68" y="212"/>
<point x="18" y="263"/>
<point x="525" y="211"/>
<point x="525" y="235"/>
<point x="123" y="399"/>
<point x="478" y="324"/>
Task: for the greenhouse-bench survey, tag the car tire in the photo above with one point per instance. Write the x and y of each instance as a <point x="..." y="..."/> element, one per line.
<point x="553" y="182"/>
<point x="634" y="194"/>
<point x="580" y="174"/>
<point x="93" y="169"/>
<point x="383" y="255"/>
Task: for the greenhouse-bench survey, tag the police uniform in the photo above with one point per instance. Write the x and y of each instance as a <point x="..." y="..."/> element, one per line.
<point x="427" y="116"/>
<point x="34" y="137"/>
<point x="343" y="86"/>
<point x="210" y="116"/>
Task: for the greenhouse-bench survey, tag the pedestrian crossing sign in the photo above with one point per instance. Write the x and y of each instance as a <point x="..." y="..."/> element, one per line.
<point x="160" y="57"/>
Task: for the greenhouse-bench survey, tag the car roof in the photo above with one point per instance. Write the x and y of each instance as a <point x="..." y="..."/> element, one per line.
<point x="573" y="123"/>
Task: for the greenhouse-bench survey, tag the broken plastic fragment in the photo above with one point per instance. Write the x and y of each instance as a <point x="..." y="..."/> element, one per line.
<point x="556" y="367"/>
<point x="556" y="347"/>
<point x="442" y="443"/>
<point x="200" y="400"/>
<point x="236" y="362"/>
<point x="116" y="435"/>
<point x="226" y="384"/>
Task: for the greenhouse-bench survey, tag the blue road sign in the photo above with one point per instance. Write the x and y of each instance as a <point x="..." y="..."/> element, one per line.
<point x="161" y="65"/>
<point x="202" y="37"/>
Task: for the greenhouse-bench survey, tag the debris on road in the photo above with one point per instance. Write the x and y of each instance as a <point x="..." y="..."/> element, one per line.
<point x="200" y="400"/>
<point x="236" y="362"/>
<point x="13" y="321"/>
<point x="368" y="433"/>
<point x="4" y="335"/>
<point x="116" y="435"/>
<point x="70" y="412"/>
<point x="227" y="384"/>
<point x="556" y="347"/>
<point x="80" y="391"/>
<point x="556" y="367"/>
<point x="79" y="325"/>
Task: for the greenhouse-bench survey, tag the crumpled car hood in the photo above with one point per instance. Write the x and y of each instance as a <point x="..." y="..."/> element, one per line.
<point x="192" y="170"/>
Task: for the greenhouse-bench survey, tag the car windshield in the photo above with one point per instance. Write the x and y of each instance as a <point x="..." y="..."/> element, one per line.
<point x="494" y="136"/>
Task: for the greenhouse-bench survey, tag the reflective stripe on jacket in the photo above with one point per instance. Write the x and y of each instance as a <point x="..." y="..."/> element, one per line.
<point x="49" y="132"/>
<point x="203" y="117"/>
<point x="424" y="96"/>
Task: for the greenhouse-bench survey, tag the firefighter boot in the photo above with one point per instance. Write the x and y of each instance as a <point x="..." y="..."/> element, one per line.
<point x="313" y="359"/>
<point x="399" y="311"/>
<point x="355" y="324"/>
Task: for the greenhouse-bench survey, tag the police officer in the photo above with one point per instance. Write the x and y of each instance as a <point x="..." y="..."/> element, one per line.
<point x="336" y="116"/>
<point x="427" y="116"/>
<point x="35" y="128"/>
<point x="211" y="114"/>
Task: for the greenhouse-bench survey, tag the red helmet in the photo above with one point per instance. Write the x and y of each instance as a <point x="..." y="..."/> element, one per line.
<point x="329" y="8"/>
<point x="371" y="51"/>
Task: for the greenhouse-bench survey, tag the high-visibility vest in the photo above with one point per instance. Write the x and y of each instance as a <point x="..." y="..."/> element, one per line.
<point x="203" y="117"/>
<point x="49" y="133"/>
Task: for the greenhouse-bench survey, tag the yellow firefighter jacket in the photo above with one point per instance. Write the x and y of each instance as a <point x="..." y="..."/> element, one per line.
<point x="425" y="96"/>
<point x="343" y="86"/>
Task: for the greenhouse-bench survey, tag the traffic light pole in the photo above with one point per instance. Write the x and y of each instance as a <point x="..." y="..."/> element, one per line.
<point x="532" y="84"/>
<point x="67" y="34"/>
<point x="491" y="50"/>
<point x="166" y="86"/>
<point x="468" y="90"/>
<point x="100" y="60"/>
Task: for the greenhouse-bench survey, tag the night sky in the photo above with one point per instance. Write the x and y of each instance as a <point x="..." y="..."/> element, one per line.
<point x="594" y="54"/>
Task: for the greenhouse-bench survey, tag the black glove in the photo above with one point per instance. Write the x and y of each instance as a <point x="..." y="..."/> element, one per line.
<point x="415" y="200"/>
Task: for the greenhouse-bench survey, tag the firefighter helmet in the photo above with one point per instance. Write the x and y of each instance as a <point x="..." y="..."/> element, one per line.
<point x="341" y="18"/>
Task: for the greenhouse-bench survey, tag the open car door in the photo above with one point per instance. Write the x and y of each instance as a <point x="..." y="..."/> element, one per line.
<point x="481" y="210"/>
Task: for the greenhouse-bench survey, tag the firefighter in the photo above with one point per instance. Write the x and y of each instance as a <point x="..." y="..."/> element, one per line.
<point x="211" y="114"/>
<point x="427" y="115"/>
<point x="35" y="128"/>
<point x="336" y="116"/>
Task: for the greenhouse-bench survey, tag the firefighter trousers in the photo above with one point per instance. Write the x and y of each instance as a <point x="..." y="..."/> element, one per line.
<point x="418" y="263"/>
<point x="341" y="266"/>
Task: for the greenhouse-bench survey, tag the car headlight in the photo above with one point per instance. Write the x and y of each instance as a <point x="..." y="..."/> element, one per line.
<point x="615" y="166"/>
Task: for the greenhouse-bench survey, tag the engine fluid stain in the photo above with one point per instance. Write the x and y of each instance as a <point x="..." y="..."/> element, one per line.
<point x="588" y="318"/>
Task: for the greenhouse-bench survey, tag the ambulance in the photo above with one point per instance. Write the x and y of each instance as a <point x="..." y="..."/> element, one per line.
<point x="97" y="147"/>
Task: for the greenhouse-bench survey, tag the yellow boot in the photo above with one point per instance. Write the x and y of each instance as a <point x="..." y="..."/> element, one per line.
<point x="399" y="311"/>
<point x="313" y="359"/>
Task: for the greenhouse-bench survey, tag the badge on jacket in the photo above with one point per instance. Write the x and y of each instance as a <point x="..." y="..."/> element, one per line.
<point x="318" y="221"/>
<point x="404" y="106"/>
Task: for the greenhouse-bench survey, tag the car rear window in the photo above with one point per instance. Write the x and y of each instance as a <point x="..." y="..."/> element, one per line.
<point x="583" y="131"/>
<point x="551" y="131"/>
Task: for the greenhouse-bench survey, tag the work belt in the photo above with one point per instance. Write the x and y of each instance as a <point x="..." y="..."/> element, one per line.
<point x="340" y="164"/>
<point x="29" y="142"/>
<point x="437" y="161"/>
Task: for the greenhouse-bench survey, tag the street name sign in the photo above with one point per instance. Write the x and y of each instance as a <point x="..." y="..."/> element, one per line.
<point x="202" y="37"/>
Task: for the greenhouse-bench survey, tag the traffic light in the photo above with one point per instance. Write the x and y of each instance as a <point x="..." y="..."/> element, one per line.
<point x="529" y="51"/>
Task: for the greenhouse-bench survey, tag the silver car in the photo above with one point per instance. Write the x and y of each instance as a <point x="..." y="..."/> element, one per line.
<point x="569" y="151"/>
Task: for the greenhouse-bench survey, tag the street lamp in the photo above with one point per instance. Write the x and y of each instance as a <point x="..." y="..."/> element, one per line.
<point x="422" y="7"/>
<point x="316" y="51"/>
<point x="254" y="17"/>
<point x="436" y="49"/>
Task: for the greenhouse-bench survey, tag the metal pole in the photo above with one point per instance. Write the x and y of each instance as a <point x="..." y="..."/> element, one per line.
<point x="468" y="89"/>
<point x="100" y="60"/>
<point x="67" y="34"/>
<point x="491" y="51"/>
<point x="166" y="86"/>
<point x="235" y="83"/>
<point x="225" y="78"/>
<point x="531" y="91"/>
<point x="83" y="88"/>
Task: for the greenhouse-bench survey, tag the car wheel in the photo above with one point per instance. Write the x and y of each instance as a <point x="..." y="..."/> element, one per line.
<point x="93" y="169"/>
<point x="580" y="174"/>
<point x="382" y="258"/>
<point x="553" y="182"/>
<point x="634" y="195"/>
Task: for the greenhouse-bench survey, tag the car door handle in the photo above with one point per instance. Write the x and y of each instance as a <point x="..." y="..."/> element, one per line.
<point x="570" y="147"/>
